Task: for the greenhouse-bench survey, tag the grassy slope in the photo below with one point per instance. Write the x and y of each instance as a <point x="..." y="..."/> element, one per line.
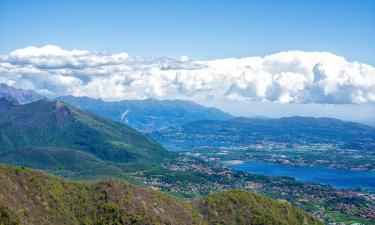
<point x="31" y="197"/>
<point x="55" y="124"/>
<point x="64" y="162"/>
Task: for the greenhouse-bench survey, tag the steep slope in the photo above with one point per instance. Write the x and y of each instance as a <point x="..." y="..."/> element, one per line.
<point x="34" y="198"/>
<point x="55" y="124"/>
<point x="22" y="96"/>
<point x="289" y="130"/>
<point x="68" y="163"/>
<point x="148" y="115"/>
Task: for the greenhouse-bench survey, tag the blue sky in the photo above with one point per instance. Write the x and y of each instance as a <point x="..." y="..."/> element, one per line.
<point x="289" y="83"/>
<point x="199" y="29"/>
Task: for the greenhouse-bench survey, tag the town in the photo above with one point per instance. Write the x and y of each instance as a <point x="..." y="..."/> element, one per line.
<point x="191" y="176"/>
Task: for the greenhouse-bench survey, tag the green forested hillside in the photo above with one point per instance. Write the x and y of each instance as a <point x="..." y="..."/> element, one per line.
<point x="54" y="124"/>
<point x="30" y="197"/>
<point x="65" y="162"/>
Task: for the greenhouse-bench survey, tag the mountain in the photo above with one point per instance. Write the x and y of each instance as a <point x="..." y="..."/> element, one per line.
<point x="34" y="198"/>
<point x="148" y="115"/>
<point x="22" y="96"/>
<point x="144" y="115"/>
<point x="289" y="130"/>
<point x="53" y="135"/>
<point x="69" y="163"/>
<point x="370" y="123"/>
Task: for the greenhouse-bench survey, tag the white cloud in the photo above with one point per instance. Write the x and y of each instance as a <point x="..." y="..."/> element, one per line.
<point x="292" y="76"/>
<point x="184" y="58"/>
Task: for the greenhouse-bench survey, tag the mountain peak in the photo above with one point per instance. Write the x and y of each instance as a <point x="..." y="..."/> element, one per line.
<point x="60" y="105"/>
<point x="22" y="96"/>
<point x="63" y="111"/>
<point x="56" y="124"/>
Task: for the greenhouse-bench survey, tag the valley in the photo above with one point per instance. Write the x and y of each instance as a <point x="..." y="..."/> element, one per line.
<point x="190" y="176"/>
<point x="197" y="163"/>
<point x="294" y="141"/>
<point x="187" y="112"/>
<point x="309" y="155"/>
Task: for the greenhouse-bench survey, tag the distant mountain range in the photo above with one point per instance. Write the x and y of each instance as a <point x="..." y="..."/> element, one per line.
<point x="57" y="137"/>
<point x="60" y="138"/>
<point x="148" y="115"/>
<point x="144" y="115"/>
<point x="22" y="96"/>
<point x="288" y="130"/>
<point x="370" y="123"/>
<point x="167" y="119"/>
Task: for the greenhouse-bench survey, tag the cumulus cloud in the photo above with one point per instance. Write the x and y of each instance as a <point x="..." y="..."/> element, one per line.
<point x="292" y="76"/>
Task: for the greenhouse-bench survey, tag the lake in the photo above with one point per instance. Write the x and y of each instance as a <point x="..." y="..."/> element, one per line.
<point x="339" y="178"/>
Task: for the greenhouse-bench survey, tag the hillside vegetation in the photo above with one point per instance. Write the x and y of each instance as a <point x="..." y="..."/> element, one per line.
<point x="30" y="197"/>
<point x="52" y="135"/>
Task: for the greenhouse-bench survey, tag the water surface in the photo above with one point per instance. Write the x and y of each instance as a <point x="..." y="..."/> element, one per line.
<point x="339" y="178"/>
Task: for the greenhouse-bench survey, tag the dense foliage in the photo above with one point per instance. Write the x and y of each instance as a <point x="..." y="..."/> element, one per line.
<point x="31" y="197"/>
<point x="55" y="124"/>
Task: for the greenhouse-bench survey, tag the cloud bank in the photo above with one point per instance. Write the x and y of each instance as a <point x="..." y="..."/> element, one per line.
<point x="290" y="77"/>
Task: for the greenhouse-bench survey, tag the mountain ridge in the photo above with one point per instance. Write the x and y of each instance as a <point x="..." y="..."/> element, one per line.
<point x="22" y="96"/>
<point x="44" y="125"/>
<point x="147" y="115"/>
